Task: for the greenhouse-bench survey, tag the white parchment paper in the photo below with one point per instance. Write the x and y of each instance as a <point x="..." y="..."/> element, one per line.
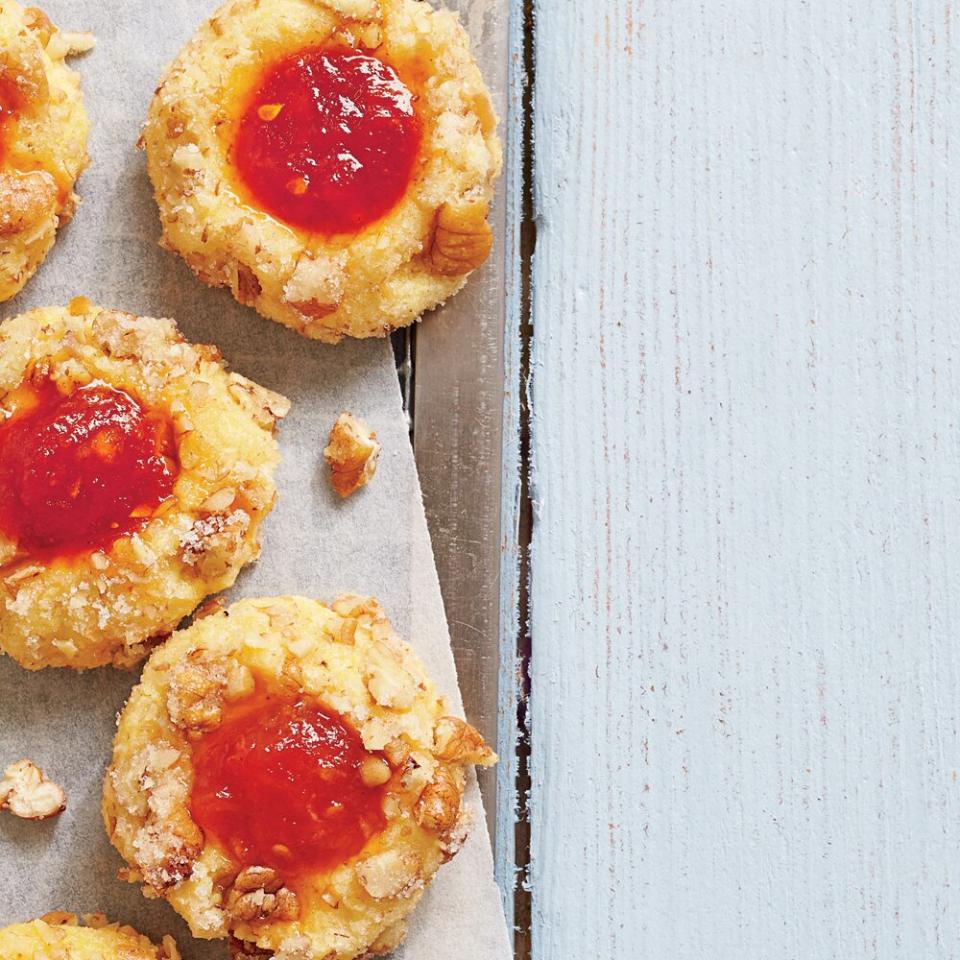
<point x="375" y="543"/>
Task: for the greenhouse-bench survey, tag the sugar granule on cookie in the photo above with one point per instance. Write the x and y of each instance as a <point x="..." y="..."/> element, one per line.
<point x="352" y="453"/>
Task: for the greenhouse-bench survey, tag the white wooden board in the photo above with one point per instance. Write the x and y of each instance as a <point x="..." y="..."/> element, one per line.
<point x="746" y="568"/>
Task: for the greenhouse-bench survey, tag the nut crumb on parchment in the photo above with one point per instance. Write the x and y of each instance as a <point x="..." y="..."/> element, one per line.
<point x="352" y="453"/>
<point x="28" y="794"/>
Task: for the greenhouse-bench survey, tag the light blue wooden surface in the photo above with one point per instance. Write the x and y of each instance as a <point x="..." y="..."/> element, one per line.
<point x="746" y="468"/>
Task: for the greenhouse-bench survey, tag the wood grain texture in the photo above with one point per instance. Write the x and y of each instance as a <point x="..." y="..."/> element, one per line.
<point x="746" y="468"/>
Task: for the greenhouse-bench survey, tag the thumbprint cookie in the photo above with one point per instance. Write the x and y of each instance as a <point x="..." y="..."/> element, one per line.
<point x="43" y="138"/>
<point x="57" y="936"/>
<point x="330" y="161"/>
<point x="287" y="775"/>
<point x="135" y="471"/>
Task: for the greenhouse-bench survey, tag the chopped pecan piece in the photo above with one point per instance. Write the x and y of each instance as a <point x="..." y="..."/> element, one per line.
<point x="462" y="238"/>
<point x="37" y="21"/>
<point x="352" y="454"/>
<point x="390" y="874"/>
<point x="458" y="742"/>
<point x="391" y="686"/>
<point x="265" y="406"/>
<point x="169" y="842"/>
<point x="248" y="285"/>
<point x="374" y="772"/>
<point x="198" y="687"/>
<point x="169" y="949"/>
<point x="23" y="73"/>
<point x="258" y="893"/>
<point x="453" y="840"/>
<point x="315" y="288"/>
<point x="211" y="543"/>
<point x="26" y="199"/>
<point x="76" y="41"/>
<point x="244" y="950"/>
<point x="439" y="804"/>
<point x="60" y="918"/>
<point x="28" y="794"/>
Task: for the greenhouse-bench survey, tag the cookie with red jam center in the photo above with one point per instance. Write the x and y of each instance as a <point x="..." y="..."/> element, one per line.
<point x="43" y="138"/>
<point x="332" y="163"/>
<point x="310" y="776"/>
<point x="135" y="471"/>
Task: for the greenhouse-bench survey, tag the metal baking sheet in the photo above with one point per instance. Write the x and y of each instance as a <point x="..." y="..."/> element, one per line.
<point x="315" y="545"/>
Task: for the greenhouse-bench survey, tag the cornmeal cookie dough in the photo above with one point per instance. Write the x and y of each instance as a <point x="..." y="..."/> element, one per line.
<point x="134" y="474"/>
<point x="287" y="775"/>
<point x="58" y="937"/>
<point x="43" y="138"/>
<point x="330" y="161"/>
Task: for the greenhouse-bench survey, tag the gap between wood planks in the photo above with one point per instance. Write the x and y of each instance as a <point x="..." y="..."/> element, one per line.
<point x="523" y="892"/>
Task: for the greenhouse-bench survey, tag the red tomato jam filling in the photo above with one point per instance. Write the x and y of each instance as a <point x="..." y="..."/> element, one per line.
<point x="80" y="470"/>
<point x="278" y="784"/>
<point x="328" y="140"/>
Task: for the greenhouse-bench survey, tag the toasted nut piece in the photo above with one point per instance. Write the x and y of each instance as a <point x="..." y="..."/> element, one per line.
<point x="244" y="950"/>
<point x="26" y="199"/>
<point x="397" y="751"/>
<point x="78" y="41"/>
<point x="210" y="608"/>
<point x="220" y="501"/>
<point x="78" y="306"/>
<point x="389" y="874"/>
<point x="37" y="21"/>
<point x="60" y="918"/>
<point x="439" y="804"/>
<point x="374" y="772"/>
<point x="392" y="688"/>
<point x="452" y="841"/>
<point x="458" y="742"/>
<point x="169" y="949"/>
<point x="462" y="239"/>
<point x="258" y="878"/>
<point x="265" y="406"/>
<point x="22" y="71"/>
<point x="352" y="454"/>
<point x="195" y="694"/>
<point x="27" y="793"/>
<point x="258" y="893"/>
<point x="248" y="285"/>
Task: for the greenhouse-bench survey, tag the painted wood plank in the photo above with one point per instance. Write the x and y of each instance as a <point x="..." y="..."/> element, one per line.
<point x="746" y="465"/>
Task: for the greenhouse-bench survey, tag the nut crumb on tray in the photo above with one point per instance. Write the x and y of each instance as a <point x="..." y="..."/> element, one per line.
<point x="352" y="453"/>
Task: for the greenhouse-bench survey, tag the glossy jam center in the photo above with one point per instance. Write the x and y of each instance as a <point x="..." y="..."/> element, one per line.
<point x="79" y="470"/>
<point x="328" y="140"/>
<point x="278" y="784"/>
